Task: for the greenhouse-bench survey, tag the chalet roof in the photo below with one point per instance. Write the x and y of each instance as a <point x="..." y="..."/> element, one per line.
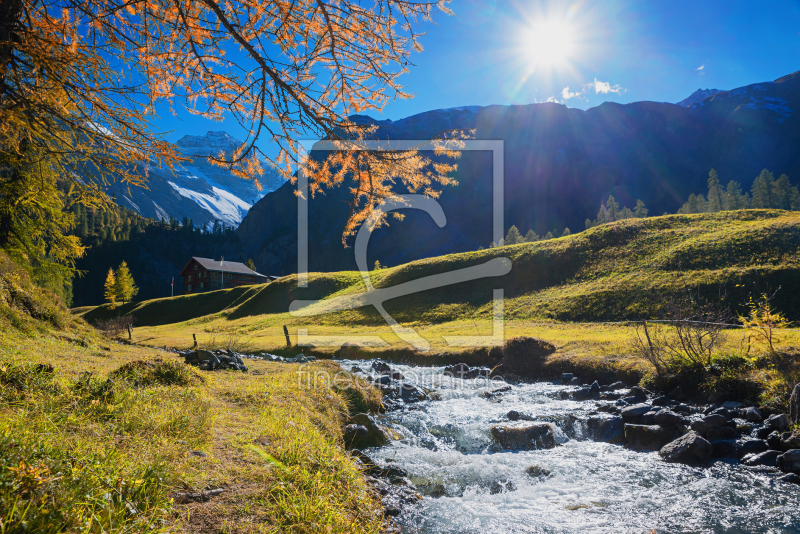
<point x="227" y="266"/>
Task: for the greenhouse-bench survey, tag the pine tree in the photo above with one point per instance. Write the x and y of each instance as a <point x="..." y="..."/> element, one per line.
<point x="588" y="223"/>
<point x="640" y="211"/>
<point x="531" y="236"/>
<point x="715" y="200"/>
<point x="626" y="213"/>
<point x="762" y="190"/>
<point x="111" y="287"/>
<point x="734" y="198"/>
<point x="782" y="193"/>
<point x="566" y="232"/>
<point x="514" y="236"/>
<point x="125" y="288"/>
<point x="612" y="209"/>
<point x="250" y="264"/>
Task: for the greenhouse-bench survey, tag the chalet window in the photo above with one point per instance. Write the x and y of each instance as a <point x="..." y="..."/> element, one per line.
<point x="189" y="288"/>
<point x="215" y="275"/>
<point x="190" y="279"/>
<point x="201" y="285"/>
<point x="195" y="267"/>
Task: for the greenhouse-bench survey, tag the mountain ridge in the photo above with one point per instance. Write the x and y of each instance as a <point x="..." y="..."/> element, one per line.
<point x="560" y="164"/>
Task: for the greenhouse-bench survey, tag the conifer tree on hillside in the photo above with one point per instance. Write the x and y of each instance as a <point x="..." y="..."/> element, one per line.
<point x="715" y="200"/>
<point x="111" y="287"/>
<point x="640" y="211"/>
<point x="611" y="212"/>
<point x="762" y="190"/>
<point x="513" y="236"/>
<point x="735" y="199"/>
<point x="250" y="264"/>
<point x="549" y="235"/>
<point x="566" y="232"/>
<point x="125" y="288"/>
<point x="531" y="236"/>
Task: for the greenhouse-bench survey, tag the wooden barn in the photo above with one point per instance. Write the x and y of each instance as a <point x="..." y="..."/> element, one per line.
<point x="203" y="274"/>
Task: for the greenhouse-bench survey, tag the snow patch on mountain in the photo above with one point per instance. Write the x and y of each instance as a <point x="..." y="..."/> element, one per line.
<point x="221" y="204"/>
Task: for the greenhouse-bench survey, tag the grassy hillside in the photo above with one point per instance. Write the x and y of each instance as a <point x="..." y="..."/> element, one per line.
<point x="102" y="437"/>
<point x="612" y="272"/>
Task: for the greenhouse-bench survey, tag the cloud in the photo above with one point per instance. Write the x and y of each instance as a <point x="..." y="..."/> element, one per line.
<point x="605" y="87"/>
<point x="566" y="95"/>
<point x="553" y="99"/>
<point x="701" y="67"/>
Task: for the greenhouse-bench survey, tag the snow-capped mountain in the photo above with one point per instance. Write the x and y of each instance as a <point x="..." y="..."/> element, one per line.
<point x="697" y="96"/>
<point x="198" y="190"/>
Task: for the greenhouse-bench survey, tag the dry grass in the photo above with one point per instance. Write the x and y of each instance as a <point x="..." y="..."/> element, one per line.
<point x="271" y="442"/>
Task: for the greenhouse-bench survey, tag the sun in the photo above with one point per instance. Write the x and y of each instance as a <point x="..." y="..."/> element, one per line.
<point x="549" y="43"/>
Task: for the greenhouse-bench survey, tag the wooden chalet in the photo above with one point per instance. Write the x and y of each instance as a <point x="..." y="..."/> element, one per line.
<point x="203" y="274"/>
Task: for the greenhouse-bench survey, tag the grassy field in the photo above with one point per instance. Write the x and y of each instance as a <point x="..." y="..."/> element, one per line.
<point x="98" y="436"/>
<point x="613" y="272"/>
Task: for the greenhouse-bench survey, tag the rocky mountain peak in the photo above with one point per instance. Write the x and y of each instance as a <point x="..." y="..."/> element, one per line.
<point x="697" y="96"/>
<point x="211" y="143"/>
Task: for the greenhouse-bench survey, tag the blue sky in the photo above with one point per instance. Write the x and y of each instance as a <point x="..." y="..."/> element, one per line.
<point x="619" y="51"/>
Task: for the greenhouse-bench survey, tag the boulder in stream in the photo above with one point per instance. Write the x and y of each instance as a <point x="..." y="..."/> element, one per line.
<point x="789" y="462"/>
<point x="363" y="432"/>
<point x="606" y="429"/>
<point x="766" y="458"/>
<point x="794" y="405"/>
<point x="524" y="438"/>
<point x="647" y="437"/>
<point x="691" y="448"/>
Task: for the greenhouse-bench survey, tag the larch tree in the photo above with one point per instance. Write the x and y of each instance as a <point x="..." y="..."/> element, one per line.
<point x="81" y="82"/>
<point x="124" y="287"/>
<point x="514" y="237"/>
<point x="111" y="287"/>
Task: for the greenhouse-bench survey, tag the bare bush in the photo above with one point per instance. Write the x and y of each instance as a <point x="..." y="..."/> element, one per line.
<point x="117" y="326"/>
<point x="691" y="331"/>
<point x="231" y="341"/>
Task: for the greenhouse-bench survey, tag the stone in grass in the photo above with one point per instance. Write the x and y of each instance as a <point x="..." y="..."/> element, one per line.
<point x="524" y="438"/>
<point x="691" y="448"/>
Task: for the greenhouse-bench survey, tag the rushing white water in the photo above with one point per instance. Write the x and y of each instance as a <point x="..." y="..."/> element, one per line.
<point x="471" y="486"/>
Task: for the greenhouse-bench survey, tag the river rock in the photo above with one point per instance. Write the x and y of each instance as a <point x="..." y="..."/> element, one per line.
<point x="691" y="448"/>
<point x="668" y="418"/>
<point x="411" y="393"/>
<point x="792" y="478"/>
<point x="381" y="367"/>
<point x="789" y="462"/>
<point x="582" y="394"/>
<point x="753" y="446"/>
<point x="618" y="385"/>
<point x="524" y="438"/>
<point x="724" y="412"/>
<point x="792" y="441"/>
<point x="710" y="421"/>
<point x="725" y="448"/>
<point x="514" y="415"/>
<point x="766" y="458"/>
<point x="595" y="387"/>
<point x="752" y="414"/>
<point x="606" y="429"/>
<point x="732" y="405"/>
<point x="663" y="400"/>
<point x="638" y="393"/>
<point x="647" y="437"/>
<point x="458" y="370"/>
<point x="794" y="404"/>
<point x="720" y="432"/>
<point x="566" y="377"/>
<point x="363" y="432"/>
<point x="775" y="441"/>
<point x="778" y="421"/>
<point x="637" y="410"/>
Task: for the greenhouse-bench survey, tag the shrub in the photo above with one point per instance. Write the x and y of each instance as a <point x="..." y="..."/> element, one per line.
<point x="763" y="320"/>
<point x="117" y="326"/>
<point x="157" y="372"/>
